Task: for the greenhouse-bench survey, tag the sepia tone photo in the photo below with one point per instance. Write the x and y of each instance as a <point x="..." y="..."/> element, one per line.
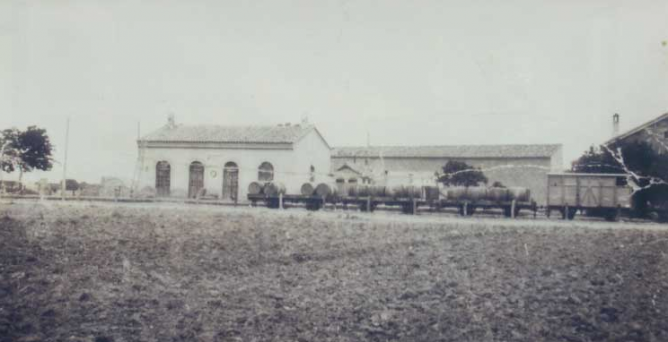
<point x="333" y="170"/>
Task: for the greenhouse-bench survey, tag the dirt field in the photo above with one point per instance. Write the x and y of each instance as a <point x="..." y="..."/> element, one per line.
<point x="85" y="272"/>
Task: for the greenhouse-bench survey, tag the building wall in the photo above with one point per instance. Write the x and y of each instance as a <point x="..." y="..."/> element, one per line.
<point x="291" y="167"/>
<point x="313" y="150"/>
<point x="654" y="135"/>
<point x="524" y="172"/>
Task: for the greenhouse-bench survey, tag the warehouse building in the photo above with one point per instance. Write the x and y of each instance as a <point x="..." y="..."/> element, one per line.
<point x="221" y="161"/>
<point x="512" y="165"/>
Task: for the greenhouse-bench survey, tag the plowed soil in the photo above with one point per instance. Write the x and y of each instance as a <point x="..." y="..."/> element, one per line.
<point x="92" y="272"/>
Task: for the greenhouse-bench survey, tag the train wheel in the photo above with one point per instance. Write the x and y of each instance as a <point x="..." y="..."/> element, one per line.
<point x="611" y="215"/>
<point x="272" y="203"/>
<point x="507" y="211"/>
<point x="654" y="216"/>
<point x="313" y="205"/>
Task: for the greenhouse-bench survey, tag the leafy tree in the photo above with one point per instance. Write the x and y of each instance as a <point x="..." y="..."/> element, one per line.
<point x="640" y="159"/>
<point x="498" y="184"/>
<point x="596" y="160"/>
<point x="25" y="151"/>
<point x="459" y="173"/>
<point x="71" y="185"/>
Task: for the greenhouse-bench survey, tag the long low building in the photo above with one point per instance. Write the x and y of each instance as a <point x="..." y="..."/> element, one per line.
<point x="512" y="165"/>
<point x="221" y="161"/>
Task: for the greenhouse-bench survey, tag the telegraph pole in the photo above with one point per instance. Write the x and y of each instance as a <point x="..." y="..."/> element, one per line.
<point x="67" y="138"/>
<point x="2" y="156"/>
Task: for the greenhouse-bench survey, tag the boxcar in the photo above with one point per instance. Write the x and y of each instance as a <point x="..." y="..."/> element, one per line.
<point x="595" y="194"/>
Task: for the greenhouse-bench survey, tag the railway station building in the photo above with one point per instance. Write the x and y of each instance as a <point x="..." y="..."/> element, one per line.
<point x="221" y="161"/>
<point x="512" y="165"/>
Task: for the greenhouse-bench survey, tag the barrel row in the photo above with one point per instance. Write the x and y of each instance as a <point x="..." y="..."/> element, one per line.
<point x="493" y="194"/>
<point x="326" y="190"/>
<point x="266" y="188"/>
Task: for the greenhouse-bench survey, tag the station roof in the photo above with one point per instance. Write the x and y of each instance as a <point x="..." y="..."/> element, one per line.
<point x="256" y="134"/>
<point x="449" y="151"/>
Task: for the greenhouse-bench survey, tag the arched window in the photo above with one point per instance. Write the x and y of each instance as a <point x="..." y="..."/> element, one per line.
<point x="163" y="174"/>
<point x="352" y="180"/>
<point x="196" y="181"/>
<point x="265" y="172"/>
<point x="230" y="181"/>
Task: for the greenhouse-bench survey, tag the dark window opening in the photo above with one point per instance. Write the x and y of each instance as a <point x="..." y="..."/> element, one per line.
<point x="162" y="178"/>
<point x="265" y="172"/>
<point x="230" y="181"/>
<point x="196" y="181"/>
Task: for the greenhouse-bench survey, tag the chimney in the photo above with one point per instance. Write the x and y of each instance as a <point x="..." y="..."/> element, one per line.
<point x="615" y="125"/>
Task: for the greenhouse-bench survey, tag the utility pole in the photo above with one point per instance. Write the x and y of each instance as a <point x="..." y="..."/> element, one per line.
<point x="2" y="156"/>
<point x="67" y="138"/>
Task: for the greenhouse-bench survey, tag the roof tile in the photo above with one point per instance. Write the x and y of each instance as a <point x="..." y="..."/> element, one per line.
<point x="229" y="134"/>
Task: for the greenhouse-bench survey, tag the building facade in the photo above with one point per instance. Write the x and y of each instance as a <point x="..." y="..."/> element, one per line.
<point x="512" y="165"/>
<point x="654" y="132"/>
<point x="221" y="161"/>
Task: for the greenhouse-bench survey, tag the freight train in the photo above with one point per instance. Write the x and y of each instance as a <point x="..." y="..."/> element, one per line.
<point x="603" y="195"/>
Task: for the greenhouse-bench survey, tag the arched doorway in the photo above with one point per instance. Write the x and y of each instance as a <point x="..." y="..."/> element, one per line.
<point x="163" y="173"/>
<point x="265" y="172"/>
<point x="230" y="181"/>
<point x="196" y="180"/>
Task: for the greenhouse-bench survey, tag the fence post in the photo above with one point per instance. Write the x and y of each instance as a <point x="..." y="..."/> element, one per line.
<point x="280" y="200"/>
<point x="512" y="209"/>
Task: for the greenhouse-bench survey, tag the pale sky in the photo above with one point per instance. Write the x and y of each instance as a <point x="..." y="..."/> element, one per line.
<point x="408" y="72"/>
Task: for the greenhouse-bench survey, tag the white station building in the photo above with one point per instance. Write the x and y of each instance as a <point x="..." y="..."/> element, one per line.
<point x="221" y="161"/>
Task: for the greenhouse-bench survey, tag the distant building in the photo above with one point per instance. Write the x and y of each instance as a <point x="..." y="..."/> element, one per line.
<point x="512" y="165"/>
<point x="221" y="161"/>
<point x="111" y="187"/>
<point x="654" y="132"/>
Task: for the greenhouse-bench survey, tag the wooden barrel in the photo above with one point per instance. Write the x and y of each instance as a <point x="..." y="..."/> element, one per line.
<point x="325" y="190"/>
<point x="358" y="190"/>
<point x="476" y="193"/>
<point x="496" y="194"/>
<point x="378" y="191"/>
<point x="406" y="191"/>
<point x="519" y="194"/>
<point x="307" y="189"/>
<point x="255" y="188"/>
<point x="274" y="189"/>
<point x="431" y="193"/>
<point x="457" y="193"/>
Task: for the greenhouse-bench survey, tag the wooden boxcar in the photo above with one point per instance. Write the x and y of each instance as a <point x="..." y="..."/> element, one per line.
<point x="595" y="194"/>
